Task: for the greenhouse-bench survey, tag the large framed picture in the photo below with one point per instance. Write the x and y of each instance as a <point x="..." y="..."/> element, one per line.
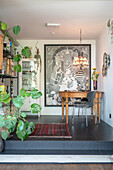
<point x="67" y="67"/>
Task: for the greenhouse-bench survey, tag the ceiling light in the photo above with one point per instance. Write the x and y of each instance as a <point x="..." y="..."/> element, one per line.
<point x="52" y="25"/>
<point x="80" y="60"/>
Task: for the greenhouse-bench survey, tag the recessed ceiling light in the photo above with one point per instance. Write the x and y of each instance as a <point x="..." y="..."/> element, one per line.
<point x="52" y="24"/>
<point x="52" y="33"/>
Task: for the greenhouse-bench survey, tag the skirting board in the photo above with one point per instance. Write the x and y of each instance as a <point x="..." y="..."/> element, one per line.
<point x="37" y="159"/>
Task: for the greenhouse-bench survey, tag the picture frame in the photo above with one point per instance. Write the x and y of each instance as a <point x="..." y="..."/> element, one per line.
<point x="60" y="74"/>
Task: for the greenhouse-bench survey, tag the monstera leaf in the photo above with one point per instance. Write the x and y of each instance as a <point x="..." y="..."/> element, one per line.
<point x="35" y="108"/>
<point x="35" y="94"/>
<point x="18" y="102"/>
<point x="17" y="58"/>
<point x="17" y="67"/>
<point x="23" y="92"/>
<point x="16" y="29"/>
<point x="26" y="51"/>
<point x="4" y="96"/>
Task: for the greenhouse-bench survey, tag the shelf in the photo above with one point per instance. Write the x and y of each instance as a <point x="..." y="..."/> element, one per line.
<point x="7" y="53"/>
<point x="7" y="76"/>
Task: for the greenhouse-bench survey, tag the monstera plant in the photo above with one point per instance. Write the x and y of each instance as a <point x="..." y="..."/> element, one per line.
<point x="25" y="51"/>
<point x="14" y="120"/>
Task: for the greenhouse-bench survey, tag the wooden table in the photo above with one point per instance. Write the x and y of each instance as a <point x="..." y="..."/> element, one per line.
<point x="80" y="94"/>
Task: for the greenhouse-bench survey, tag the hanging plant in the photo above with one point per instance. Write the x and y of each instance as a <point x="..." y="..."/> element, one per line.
<point x="26" y="51"/>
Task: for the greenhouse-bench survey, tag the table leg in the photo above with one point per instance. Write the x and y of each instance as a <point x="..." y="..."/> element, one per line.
<point x="62" y="108"/>
<point x="91" y="112"/>
<point x="95" y="105"/>
<point x="67" y="110"/>
<point x="99" y="105"/>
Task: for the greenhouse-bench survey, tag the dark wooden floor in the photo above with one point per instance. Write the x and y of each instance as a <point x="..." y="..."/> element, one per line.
<point x="79" y="131"/>
<point x="91" y="140"/>
<point x="56" y="166"/>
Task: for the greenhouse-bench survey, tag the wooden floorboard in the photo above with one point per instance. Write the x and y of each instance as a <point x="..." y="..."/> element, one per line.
<point x="56" y="166"/>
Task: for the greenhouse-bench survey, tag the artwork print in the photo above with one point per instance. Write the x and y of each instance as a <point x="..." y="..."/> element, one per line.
<point x="61" y="74"/>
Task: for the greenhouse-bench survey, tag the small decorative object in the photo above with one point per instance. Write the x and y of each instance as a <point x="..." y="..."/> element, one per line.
<point x="87" y="84"/>
<point x="110" y="28"/>
<point x="94" y="84"/>
<point x="38" y="57"/>
<point x="106" y="63"/>
<point x="94" y="77"/>
<point x="104" y="71"/>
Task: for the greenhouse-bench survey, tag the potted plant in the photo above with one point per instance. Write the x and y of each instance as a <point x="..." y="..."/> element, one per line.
<point x="14" y="120"/>
<point x="25" y="51"/>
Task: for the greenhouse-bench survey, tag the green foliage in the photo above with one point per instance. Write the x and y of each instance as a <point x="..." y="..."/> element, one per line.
<point x="23" y="93"/>
<point x="35" y="108"/>
<point x="3" y="26"/>
<point x="19" y="101"/>
<point x="26" y="51"/>
<point x="16" y="29"/>
<point x="35" y="94"/>
<point x="95" y="74"/>
<point x="15" y="120"/>
<point x="4" y="134"/>
<point x="0" y="104"/>
<point x="23" y="114"/>
<point x="17" y="58"/>
<point x="17" y="68"/>
<point x="4" y="97"/>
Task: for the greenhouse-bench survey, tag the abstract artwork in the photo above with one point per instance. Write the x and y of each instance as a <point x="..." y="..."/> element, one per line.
<point x="60" y="72"/>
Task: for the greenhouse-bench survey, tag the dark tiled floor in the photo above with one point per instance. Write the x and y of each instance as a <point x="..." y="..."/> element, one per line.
<point x="100" y="136"/>
<point x="99" y="132"/>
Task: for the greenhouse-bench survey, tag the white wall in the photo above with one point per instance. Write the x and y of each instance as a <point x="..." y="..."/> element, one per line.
<point x="105" y="84"/>
<point x="32" y="43"/>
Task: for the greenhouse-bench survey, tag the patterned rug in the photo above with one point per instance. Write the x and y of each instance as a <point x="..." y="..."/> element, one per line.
<point x="54" y="130"/>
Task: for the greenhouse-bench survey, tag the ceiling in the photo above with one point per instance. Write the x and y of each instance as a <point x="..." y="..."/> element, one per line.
<point x="32" y="15"/>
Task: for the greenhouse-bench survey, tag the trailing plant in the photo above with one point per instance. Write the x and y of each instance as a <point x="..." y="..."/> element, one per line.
<point x="15" y="119"/>
<point x="26" y="51"/>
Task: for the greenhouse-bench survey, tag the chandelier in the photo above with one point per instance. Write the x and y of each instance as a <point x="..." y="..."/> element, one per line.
<point x="80" y="60"/>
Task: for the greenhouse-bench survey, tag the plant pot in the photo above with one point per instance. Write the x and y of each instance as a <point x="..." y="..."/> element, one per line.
<point x="1" y="144"/>
<point x="94" y="84"/>
<point x="4" y="129"/>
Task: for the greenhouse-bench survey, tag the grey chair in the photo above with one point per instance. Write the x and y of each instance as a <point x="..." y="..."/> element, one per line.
<point x="84" y="104"/>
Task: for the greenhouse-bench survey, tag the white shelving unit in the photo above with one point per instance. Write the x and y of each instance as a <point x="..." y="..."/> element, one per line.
<point x="28" y="79"/>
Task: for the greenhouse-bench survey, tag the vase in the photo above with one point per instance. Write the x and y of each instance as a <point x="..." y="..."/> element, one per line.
<point x="94" y="84"/>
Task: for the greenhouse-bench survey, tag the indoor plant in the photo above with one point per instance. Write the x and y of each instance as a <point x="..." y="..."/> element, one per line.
<point x="94" y="77"/>
<point x="26" y="51"/>
<point x="15" y="119"/>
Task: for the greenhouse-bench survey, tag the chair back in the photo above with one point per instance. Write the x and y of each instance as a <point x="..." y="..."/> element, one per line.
<point x="90" y="97"/>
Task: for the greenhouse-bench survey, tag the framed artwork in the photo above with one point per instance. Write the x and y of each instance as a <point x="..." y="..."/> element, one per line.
<point x="62" y="74"/>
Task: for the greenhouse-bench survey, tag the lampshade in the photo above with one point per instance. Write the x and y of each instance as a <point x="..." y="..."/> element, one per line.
<point x="80" y="60"/>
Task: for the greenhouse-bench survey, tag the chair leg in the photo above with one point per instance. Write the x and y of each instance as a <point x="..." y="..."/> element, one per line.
<point x="82" y="114"/>
<point x="78" y="111"/>
<point x="73" y="115"/>
<point x="86" y="117"/>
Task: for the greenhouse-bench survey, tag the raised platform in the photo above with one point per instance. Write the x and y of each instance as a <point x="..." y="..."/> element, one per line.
<point x="94" y="139"/>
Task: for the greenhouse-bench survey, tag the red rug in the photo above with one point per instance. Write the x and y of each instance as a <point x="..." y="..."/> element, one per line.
<point x="54" y="130"/>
